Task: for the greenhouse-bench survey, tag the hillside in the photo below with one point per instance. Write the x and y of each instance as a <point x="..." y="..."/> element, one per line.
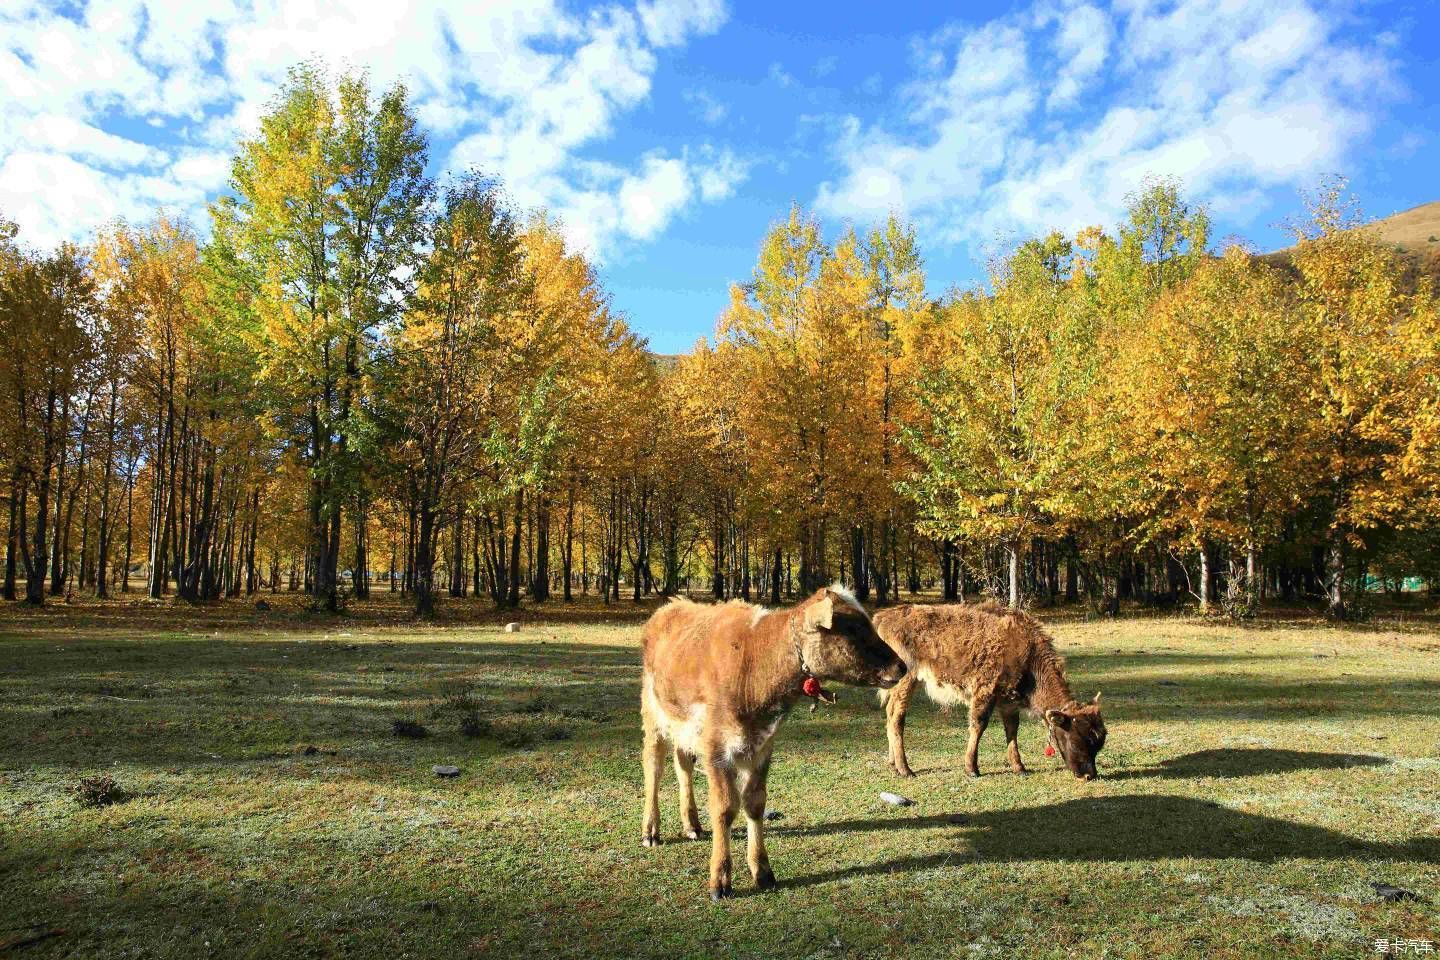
<point x="1415" y="232"/>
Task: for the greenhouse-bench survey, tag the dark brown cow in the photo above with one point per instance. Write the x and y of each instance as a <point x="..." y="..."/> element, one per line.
<point x="718" y="682"/>
<point x="989" y="657"/>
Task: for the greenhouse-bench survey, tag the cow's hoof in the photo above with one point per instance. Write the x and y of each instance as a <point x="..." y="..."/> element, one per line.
<point x="973" y="774"/>
<point x="651" y="840"/>
<point x="720" y="893"/>
<point x="765" y="880"/>
<point x="1022" y="771"/>
<point x="693" y="834"/>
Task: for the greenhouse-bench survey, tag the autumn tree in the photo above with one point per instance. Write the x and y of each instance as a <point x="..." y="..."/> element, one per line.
<point x="1373" y="350"/>
<point x="1217" y="380"/>
<point x="988" y="437"/>
<point x="897" y="308"/>
<point x="322" y="227"/>
<point x="47" y="307"/>
<point x="439" y="373"/>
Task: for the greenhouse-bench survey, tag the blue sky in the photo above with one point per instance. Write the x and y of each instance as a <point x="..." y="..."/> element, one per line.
<point x="668" y="134"/>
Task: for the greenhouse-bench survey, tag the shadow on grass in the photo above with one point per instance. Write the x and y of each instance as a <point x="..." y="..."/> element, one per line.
<point x="1248" y="763"/>
<point x="1112" y="830"/>
<point x="167" y="702"/>
<point x="172" y="700"/>
<point x="1221" y="698"/>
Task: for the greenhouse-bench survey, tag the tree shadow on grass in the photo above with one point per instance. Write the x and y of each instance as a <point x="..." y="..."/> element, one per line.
<point x="1113" y="830"/>
<point x="167" y="703"/>
<point x="1248" y="763"/>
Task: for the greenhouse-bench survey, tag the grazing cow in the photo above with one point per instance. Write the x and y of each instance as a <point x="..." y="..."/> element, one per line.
<point x="718" y="682"/>
<point x="989" y="657"/>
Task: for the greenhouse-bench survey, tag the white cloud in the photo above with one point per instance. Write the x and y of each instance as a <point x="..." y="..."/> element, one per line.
<point x="1049" y="118"/>
<point x="720" y="175"/>
<point x="648" y="200"/>
<point x="69" y="136"/>
<point x="522" y="87"/>
<point x="614" y="206"/>
<point x="709" y="109"/>
<point x="1082" y="42"/>
<point x="670" y="22"/>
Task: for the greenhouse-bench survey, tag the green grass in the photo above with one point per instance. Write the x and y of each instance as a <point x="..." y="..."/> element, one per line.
<point x="1256" y="781"/>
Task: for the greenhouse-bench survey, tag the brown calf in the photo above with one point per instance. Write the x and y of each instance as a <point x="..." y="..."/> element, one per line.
<point x="989" y="657"/>
<point x="718" y="682"/>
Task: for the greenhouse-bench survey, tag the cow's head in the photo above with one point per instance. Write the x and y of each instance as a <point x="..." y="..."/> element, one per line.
<point x="838" y="642"/>
<point x="1078" y="732"/>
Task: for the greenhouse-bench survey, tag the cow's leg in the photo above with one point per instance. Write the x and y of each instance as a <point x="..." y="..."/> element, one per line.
<point x="753" y="798"/>
<point x="653" y="758"/>
<point x="685" y="777"/>
<point x="897" y="700"/>
<point x="723" y="801"/>
<point x="980" y="709"/>
<point x="1010" y="716"/>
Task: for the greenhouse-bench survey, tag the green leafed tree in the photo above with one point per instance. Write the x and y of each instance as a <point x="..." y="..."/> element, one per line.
<point x="322" y="229"/>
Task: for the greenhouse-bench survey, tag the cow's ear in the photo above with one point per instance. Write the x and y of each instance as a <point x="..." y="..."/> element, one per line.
<point x="1060" y="718"/>
<point x="820" y="614"/>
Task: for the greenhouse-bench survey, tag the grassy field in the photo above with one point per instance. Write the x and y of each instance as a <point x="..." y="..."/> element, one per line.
<point x="1256" y="783"/>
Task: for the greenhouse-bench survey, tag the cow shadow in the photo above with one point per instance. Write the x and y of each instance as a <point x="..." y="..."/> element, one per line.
<point x="1226" y="762"/>
<point x="1112" y="830"/>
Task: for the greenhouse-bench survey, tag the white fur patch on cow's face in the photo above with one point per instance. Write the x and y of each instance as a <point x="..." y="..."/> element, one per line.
<point x="844" y="593"/>
<point x="757" y="614"/>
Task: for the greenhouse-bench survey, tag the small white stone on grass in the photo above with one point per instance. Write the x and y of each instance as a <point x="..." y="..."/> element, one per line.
<point x="512" y="628"/>
<point x="895" y="800"/>
<point x="443" y="771"/>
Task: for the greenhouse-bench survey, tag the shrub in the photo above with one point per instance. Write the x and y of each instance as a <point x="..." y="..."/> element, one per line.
<point x="554" y="731"/>
<point x="1359" y="609"/>
<point x="411" y="730"/>
<point x="1241" y="601"/>
<point x="101" y="791"/>
<point x="458" y="695"/>
<point x="472" y="725"/>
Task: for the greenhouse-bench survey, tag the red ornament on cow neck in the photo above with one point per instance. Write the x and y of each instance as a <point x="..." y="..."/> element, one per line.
<point x="811" y="687"/>
<point x="1049" y="750"/>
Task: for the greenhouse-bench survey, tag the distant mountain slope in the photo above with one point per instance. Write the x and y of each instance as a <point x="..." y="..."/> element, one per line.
<point x="1415" y="232"/>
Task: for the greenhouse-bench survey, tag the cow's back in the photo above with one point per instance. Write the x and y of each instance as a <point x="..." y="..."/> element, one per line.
<point x="694" y="653"/>
<point x="961" y="645"/>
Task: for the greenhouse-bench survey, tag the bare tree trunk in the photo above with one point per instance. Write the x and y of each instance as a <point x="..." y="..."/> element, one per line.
<point x="1012" y="551"/>
<point x="513" y="599"/>
<point x="858" y="564"/>
<point x="360" y="572"/>
<point x="1335" y="578"/>
<point x="422" y="576"/>
<point x="568" y="554"/>
<point x="1205" y="577"/>
<point x="457" y="554"/>
<point x="13" y="532"/>
<point x="540" y="572"/>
